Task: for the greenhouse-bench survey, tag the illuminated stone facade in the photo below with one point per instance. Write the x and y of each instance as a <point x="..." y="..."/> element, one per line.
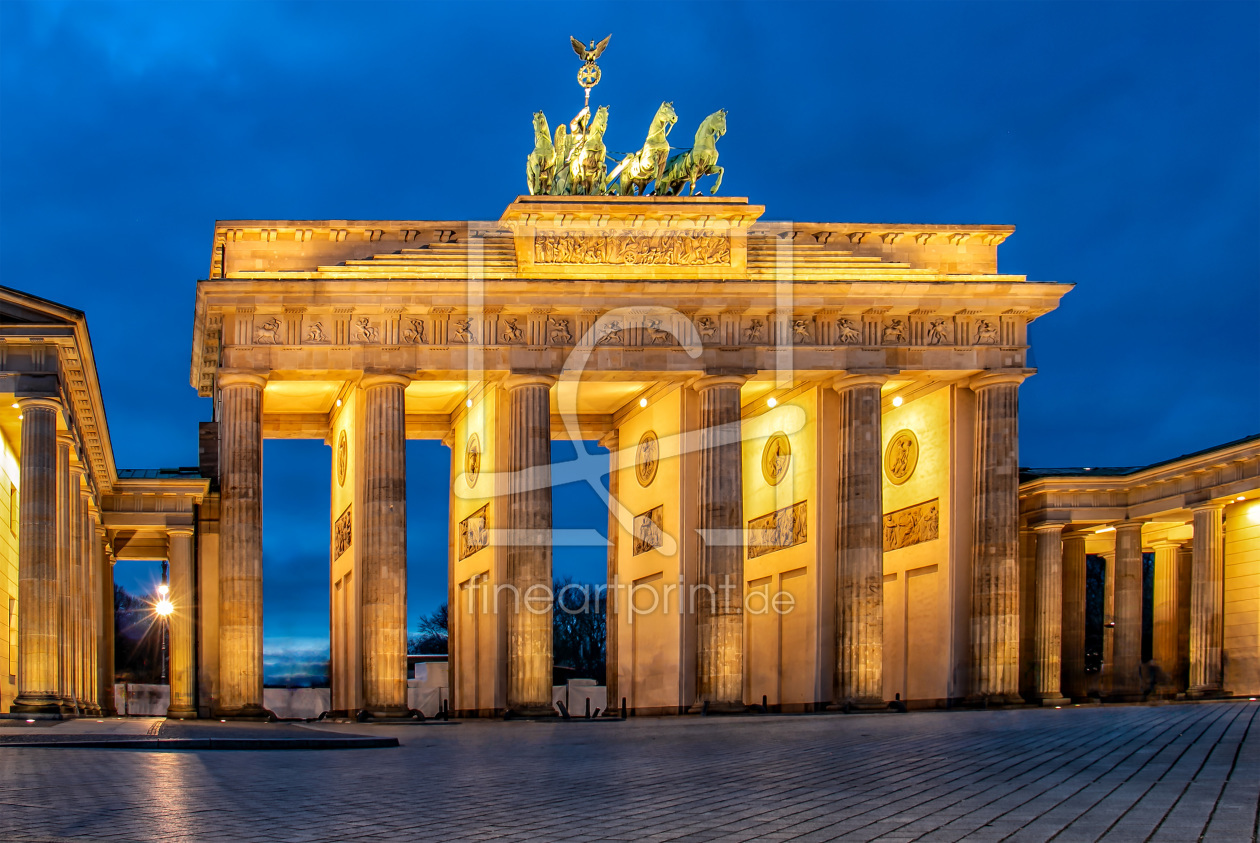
<point x="814" y="495"/>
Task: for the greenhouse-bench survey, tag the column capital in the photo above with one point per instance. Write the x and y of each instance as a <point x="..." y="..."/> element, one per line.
<point x="1130" y="525"/>
<point x="65" y="437"/>
<point x="241" y="377"/>
<point x="985" y="380"/>
<point x="374" y="379"/>
<point x="1207" y="506"/>
<point x="1162" y="544"/>
<point x="38" y="403"/>
<point x="855" y="379"/>
<point x="101" y="532"/>
<point x="710" y="381"/>
<point x="609" y="440"/>
<point x="518" y="379"/>
<point x="1049" y="527"/>
<point x="172" y="532"/>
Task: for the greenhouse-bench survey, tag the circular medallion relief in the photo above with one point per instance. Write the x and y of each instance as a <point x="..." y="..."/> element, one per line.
<point x="775" y="458"/>
<point x="901" y="456"/>
<point x="472" y="460"/>
<point x="343" y="457"/>
<point x="646" y="458"/>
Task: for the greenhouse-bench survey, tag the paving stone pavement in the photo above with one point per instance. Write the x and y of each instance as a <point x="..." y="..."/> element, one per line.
<point x="1170" y="772"/>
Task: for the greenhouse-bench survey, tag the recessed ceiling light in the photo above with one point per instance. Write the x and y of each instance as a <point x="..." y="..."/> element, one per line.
<point x="772" y="401"/>
<point x="642" y="402"/>
<point x="1240" y="498"/>
<point x="898" y="400"/>
<point x="15" y="406"/>
<point x="468" y="402"/>
<point x="338" y="402"/>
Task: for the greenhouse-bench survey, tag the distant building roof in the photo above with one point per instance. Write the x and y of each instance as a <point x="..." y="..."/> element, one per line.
<point x="1026" y="474"/>
<point x="158" y="473"/>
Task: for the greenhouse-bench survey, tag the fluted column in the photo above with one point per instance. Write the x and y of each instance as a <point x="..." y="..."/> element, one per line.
<point x="1164" y="617"/>
<point x="1126" y="677"/>
<point x="105" y="629"/>
<point x="179" y="552"/>
<point x="611" y="442"/>
<point x="83" y="605"/>
<point x="240" y="545"/>
<point x="720" y="609"/>
<point x="72" y="592"/>
<point x="860" y="578"/>
<point x="1049" y="618"/>
<point x="1073" y="676"/>
<point x="995" y="541"/>
<point x="1207" y="601"/>
<point x="1109" y="621"/>
<point x="527" y="525"/>
<point x="384" y="559"/>
<point x="67" y="503"/>
<point x="39" y="655"/>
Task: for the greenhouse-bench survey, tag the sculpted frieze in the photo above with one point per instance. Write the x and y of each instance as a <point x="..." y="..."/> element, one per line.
<point x="912" y="525"/>
<point x="474" y="533"/>
<point x="778" y="530"/>
<point x="633" y="248"/>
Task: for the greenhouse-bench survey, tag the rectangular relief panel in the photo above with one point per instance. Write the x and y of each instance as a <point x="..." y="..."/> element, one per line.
<point x="473" y="533"/>
<point x="912" y="525"/>
<point x="343" y="535"/>
<point x="780" y="529"/>
<point x="648" y="530"/>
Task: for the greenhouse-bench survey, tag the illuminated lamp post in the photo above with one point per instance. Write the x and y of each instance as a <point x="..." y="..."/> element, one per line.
<point x="163" y="608"/>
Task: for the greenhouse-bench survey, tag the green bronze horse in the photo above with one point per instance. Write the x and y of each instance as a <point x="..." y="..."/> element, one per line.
<point x="540" y="165"/>
<point x="700" y="160"/>
<point x="640" y="168"/>
<point x="588" y="169"/>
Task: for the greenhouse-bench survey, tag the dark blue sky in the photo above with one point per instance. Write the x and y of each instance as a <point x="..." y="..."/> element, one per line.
<point x="1122" y="139"/>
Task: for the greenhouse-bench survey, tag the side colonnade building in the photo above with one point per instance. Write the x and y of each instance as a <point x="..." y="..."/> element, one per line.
<point x="813" y="482"/>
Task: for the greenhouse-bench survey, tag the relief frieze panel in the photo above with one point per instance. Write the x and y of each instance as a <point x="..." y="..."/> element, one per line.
<point x="634" y="248"/>
<point x="649" y="531"/>
<point x="474" y="533"/>
<point x="912" y="525"/>
<point x="342" y="532"/>
<point x="778" y="530"/>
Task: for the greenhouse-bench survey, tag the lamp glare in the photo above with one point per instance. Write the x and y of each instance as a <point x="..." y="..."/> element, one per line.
<point x="773" y="402"/>
<point x="642" y="402"/>
<point x="898" y="400"/>
<point x="164" y="607"/>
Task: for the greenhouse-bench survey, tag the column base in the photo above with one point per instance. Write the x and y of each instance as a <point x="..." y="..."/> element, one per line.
<point x="174" y="713"/>
<point x="1052" y="701"/>
<point x="1124" y="697"/>
<point x="993" y="700"/>
<point x="388" y="714"/>
<point x="253" y="712"/>
<point x="14" y="714"/>
<point x="37" y="706"/>
<point x="1204" y="692"/>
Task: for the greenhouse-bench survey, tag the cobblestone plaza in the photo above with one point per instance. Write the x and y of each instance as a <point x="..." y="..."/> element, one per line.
<point x="1169" y="772"/>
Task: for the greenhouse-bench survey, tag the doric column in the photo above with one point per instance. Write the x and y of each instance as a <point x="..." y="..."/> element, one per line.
<point x="384" y="559"/>
<point x="1109" y="621"/>
<point x="83" y="605"/>
<point x="67" y="503"/>
<point x="240" y="545"/>
<point x="527" y="524"/>
<point x="1207" y="601"/>
<point x="611" y="442"/>
<point x="995" y="541"/>
<point x="720" y="615"/>
<point x="1126" y="676"/>
<point x="39" y="656"/>
<point x="72" y="593"/>
<point x="105" y="629"/>
<point x="179" y="552"/>
<point x="1049" y="619"/>
<point x="860" y="577"/>
<point x="1073" y="676"/>
<point x="1185" y="581"/>
<point x="1164" y="620"/>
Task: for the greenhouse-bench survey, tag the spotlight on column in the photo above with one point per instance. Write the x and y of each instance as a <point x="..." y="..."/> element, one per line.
<point x="898" y="400"/>
<point x="642" y="402"/>
<point x="772" y="402"/>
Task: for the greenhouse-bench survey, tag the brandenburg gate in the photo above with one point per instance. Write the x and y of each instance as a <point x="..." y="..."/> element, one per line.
<point x="818" y="414"/>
